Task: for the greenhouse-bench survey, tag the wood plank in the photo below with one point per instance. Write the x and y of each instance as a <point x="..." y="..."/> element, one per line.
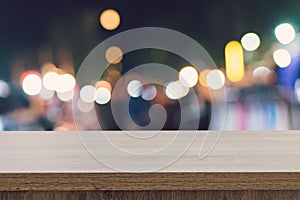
<point x="149" y="181"/>
<point x="141" y="195"/>
<point x="244" y="151"/>
<point x="35" y="161"/>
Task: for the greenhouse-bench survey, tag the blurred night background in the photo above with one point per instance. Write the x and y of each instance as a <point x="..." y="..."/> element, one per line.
<point x="254" y="43"/>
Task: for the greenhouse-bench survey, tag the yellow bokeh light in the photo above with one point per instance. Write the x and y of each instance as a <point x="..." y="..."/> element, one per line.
<point x="110" y="19"/>
<point x="202" y="77"/>
<point x="48" y="67"/>
<point x="113" y="76"/>
<point x="103" y="84"/>
<point x="114" y="55"/>
<point x="234" y="60"/>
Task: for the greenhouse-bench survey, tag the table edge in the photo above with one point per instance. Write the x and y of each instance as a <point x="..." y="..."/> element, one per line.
<point x="150" y="181"/>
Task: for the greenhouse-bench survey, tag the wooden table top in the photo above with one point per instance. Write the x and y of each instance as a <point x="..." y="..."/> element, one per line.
<point x="255" y="160"/>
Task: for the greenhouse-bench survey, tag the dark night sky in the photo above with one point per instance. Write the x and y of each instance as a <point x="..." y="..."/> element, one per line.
<point x="26" y="26"/>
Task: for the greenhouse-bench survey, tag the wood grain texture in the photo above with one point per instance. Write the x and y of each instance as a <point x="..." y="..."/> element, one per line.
<point x="149" y="181"/>
<point x="152" y="195"/>
<point x="39" y="163"/>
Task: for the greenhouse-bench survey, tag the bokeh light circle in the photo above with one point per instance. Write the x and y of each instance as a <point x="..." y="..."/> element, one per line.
<point x="66" y="82"/>
<point x="84" y="106"/>
<point x="285" y="33"/>
<point x="65" y="96"/>
<point x="32" y="84"/>
<point x="250" y="41"/>
<point x="114" y="55"/>
<point x="110" y="19"/>
<point x="88" y="93"/>
<point x="282" y="57"/>
<point x="175" y="90"/>
<point x="215" y="79"/>
<point x="149" y="93"/>
<point x="134" y="88"/>
<point x="261" y="71"/>
<point x="103" y="96"/>
<point x="188" y="76"/>
<point x="50" y="80"/>
<point x="203" y="77"/>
